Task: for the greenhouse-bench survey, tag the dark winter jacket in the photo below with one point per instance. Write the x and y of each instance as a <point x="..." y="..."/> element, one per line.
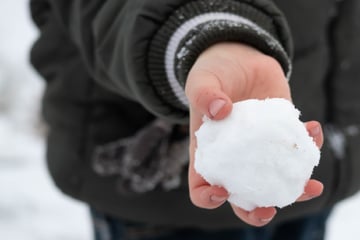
<point x="113" y="67"/>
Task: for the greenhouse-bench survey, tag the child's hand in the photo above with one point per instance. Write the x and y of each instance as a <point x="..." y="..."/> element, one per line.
<point x="227" y="73"/>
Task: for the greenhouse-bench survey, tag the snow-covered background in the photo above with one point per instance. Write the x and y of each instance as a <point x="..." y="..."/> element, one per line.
<point x="31" y="208"/>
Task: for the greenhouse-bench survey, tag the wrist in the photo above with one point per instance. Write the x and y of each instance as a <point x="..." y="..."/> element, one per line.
<point x="193" y="28"/>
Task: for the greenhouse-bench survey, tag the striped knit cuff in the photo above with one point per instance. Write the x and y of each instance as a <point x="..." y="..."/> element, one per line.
<point x="198" y="25"/>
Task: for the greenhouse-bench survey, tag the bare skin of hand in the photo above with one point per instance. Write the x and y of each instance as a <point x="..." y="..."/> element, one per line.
<point x="224" y="74"/>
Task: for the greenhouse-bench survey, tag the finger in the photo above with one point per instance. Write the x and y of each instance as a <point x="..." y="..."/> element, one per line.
<point x="206" y="96"/>
<point x="208" y="197"/>
<point x="312" y="190"/>
<point x="258" y="217"/>
<point x="201" y="193"/>
<point x="315" y="131"/>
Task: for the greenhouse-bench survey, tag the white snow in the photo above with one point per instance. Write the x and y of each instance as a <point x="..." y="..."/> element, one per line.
<point x="261" y="153"/>
<point x="31" y="208"/>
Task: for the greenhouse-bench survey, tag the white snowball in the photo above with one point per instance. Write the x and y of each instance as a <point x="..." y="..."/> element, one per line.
<point x="261" y="153"/>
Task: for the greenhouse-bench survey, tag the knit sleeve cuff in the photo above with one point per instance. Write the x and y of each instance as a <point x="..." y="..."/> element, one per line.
<point x="200" y="24"/>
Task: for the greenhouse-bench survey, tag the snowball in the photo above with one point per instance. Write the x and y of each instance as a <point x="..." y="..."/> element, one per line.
<point x="261" y="153"/>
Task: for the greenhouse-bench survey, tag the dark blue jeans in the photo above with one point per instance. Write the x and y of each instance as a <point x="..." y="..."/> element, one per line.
<point x="307" y="228"/>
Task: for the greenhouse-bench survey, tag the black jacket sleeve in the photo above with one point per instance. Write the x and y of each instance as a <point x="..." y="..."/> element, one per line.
<point x="143" y="49"/>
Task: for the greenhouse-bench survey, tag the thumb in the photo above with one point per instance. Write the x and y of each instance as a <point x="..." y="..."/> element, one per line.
<point x="206" y="96"/>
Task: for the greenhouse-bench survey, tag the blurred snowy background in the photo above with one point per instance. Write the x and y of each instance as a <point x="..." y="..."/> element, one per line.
<point x="31" y="208"/>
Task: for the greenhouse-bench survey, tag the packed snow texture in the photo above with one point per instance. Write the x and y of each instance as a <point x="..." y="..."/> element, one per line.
<point x="261" y="153"/>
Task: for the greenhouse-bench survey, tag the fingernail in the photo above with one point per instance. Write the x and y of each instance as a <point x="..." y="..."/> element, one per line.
<point x="265" y="220"/>
<point x="216" y="106"/>
<point x="217" y="199"/>
<point x="256" y="219"/>
<point x="308" y="197"/>
<point x="253" y="217"/>
<point x="315" y="131"/>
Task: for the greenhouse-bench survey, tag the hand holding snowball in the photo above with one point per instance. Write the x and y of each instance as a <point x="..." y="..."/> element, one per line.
<point x="224" y="74"/>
